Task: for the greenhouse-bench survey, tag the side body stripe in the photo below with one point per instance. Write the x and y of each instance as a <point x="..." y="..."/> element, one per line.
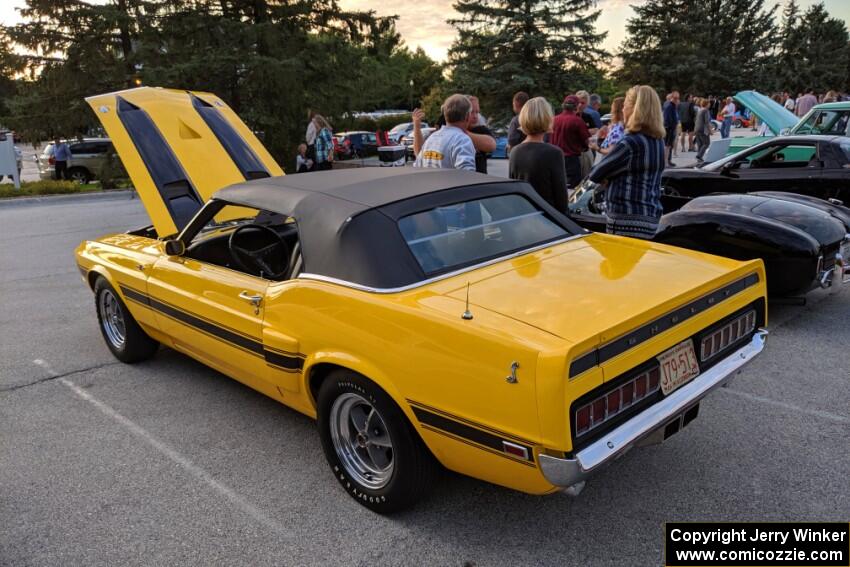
<point x="288" y="362"/>
<point x="477" y="435"/>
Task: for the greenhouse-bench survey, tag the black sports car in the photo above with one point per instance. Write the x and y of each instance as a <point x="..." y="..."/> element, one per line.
<point x="804" y="241"/>
<point x="818" y="166"/>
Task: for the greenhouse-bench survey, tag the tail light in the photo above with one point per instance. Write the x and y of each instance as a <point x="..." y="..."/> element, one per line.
<point x="727" y="335"/>
<point x="607" y="406"/>
<point x="51" y="160"/>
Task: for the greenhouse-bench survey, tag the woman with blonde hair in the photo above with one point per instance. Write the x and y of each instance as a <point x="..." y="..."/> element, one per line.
<point x="324" y="143"/>
<point x="535" y="161"/>
<point x="633" y="168"/>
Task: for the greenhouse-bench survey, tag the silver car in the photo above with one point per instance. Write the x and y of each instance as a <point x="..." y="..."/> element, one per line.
<point x="88" y="156"/>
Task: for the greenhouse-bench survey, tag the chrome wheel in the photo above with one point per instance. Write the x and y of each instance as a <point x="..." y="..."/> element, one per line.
<point x="111" y="318"/>
<point x="361" y="440"/>
<point x="79" y="176"/>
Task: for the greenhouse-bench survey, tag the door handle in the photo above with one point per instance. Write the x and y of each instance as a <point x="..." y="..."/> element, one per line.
<point x="254" y="300"/>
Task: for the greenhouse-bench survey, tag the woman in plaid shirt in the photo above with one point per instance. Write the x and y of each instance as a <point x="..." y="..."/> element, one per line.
<point x="633" y="168"/>
<point x="324" y="143"/>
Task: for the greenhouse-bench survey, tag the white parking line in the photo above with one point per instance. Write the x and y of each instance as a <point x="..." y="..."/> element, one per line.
<point x="187" y="465"/>
<point x="816" y="413"/>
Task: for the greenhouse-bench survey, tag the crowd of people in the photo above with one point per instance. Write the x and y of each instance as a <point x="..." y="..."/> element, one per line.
<point x="554" y="153"/>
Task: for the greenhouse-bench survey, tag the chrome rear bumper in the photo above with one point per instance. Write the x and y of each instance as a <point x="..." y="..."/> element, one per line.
<point x="568" y="472"/>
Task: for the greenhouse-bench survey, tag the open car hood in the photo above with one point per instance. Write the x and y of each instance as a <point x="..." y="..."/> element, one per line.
<point x="776" y="116"/>
<point x="180" y="147"/>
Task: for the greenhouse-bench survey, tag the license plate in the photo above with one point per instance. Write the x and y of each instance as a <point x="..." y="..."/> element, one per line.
<point x="678" y="366"/>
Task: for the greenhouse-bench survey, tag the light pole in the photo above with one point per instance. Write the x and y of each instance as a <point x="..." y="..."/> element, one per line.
<point x="411" y="94"/>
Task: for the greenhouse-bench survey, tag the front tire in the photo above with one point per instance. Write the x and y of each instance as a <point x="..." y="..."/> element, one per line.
<point x="123" y="335"/>
<point x="372" y="449"/>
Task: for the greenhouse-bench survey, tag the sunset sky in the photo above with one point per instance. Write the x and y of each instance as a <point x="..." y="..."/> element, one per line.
<point x="423" y="22"/>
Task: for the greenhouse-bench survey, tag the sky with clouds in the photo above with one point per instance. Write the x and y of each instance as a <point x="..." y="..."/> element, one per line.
<point x="423" y="22"/>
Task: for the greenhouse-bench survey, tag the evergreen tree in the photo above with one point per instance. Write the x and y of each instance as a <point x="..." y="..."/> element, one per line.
<point x="271" y="60"/>
<point x="72" y="49"/>
<point x="847" y="75"/>
<point x="709" y="47"/>
<point x="823" y="54"/>
<point x="788" y="63"/>
<point x="544" y="47"/>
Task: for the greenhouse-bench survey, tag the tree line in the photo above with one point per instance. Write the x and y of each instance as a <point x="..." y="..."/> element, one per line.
<point x="552" y="47"/>
<point x="273" y="60"/>
<point x="723" y="46"/>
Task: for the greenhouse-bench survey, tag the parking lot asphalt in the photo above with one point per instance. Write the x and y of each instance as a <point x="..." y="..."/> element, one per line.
<point x="170" y="463"/>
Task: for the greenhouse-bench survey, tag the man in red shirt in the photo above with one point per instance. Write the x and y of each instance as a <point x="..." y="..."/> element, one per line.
<point x="570" y="133"/>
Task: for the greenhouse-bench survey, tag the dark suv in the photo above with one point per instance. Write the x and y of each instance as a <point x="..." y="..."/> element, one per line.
<point x="351" y="145"/>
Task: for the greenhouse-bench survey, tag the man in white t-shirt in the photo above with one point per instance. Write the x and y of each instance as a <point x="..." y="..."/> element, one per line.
<point x="789" y="103"/>
<point x="449" y="147"/>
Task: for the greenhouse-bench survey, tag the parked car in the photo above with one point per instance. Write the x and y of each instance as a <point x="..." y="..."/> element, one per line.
<point x="739" y="120"/>
<point x="804" y="242"/>
<point x="422" y="316"/>
<point x="814" y="165"/>
<point x="832" y="118"/>
<point x="358" y="144"/>
<point x="500" y="133"/>
<point x="88" y="157"/>
<point x="399" y="131"/>
<point x="715" y="126"/>
<point x="407" y="141"/>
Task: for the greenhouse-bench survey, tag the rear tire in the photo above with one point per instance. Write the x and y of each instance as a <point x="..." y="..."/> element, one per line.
<point x="123" y="335"/>
<point x="79" y="174"/>
<point x="372" y="448"/>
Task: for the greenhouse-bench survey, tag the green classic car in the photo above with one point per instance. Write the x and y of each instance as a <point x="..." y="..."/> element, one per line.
<point x="828" y="118"/>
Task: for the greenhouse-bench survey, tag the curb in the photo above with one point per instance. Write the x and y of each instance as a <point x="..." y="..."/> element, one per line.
<point x="51" y="199"/>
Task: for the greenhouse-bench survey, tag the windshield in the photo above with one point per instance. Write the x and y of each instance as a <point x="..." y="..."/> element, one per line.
<point x="449" y="237"/>
<point x="768" y="155"/>
<point x="825" y="122"/>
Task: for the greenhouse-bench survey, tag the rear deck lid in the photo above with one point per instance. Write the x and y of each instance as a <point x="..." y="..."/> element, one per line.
<point x="776" y="116"/>
<point x="180" y="147"/>
<point x="593" y="286"/>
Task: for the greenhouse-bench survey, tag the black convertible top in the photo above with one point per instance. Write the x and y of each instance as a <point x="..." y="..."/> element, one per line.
<point x="346" y="192"/>
<point x="347" y="219"/>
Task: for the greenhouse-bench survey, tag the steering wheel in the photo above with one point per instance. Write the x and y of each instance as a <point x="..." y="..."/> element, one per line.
<point x="262" y="261"/>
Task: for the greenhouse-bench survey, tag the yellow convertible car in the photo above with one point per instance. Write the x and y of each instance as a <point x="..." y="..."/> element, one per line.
<point x="423" y="317"/>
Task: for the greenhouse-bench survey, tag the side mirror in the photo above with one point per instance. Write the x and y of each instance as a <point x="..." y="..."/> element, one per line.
<point x="175" y="247"/>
